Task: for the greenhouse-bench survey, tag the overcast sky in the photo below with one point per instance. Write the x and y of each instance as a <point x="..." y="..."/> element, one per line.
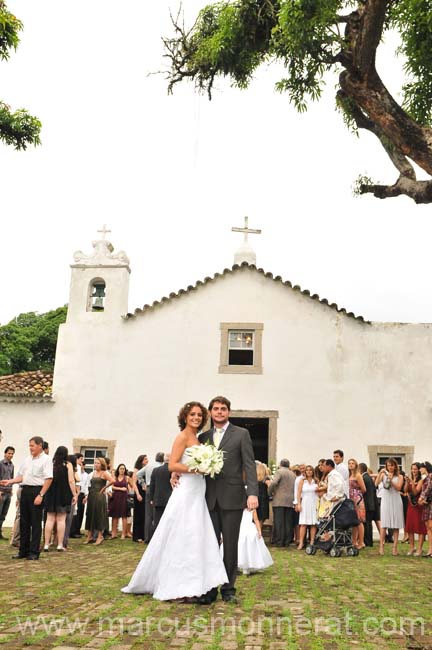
<point x="171" y="175"/>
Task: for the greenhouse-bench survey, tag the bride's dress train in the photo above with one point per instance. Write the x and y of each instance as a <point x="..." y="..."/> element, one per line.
<point x="182" y="558"/>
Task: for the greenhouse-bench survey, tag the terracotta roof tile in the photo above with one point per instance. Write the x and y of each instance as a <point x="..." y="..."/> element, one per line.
<point x="34" y="384"/>
<point x="235" y="268"/>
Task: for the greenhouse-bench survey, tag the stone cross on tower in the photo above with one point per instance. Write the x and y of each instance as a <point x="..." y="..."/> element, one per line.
<point x="245" y="253"/>
<point x="104" y="231"/>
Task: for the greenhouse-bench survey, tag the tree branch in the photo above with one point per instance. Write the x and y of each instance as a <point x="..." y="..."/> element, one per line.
<point x="369" y="35"/>
<point x="419" y="191"/>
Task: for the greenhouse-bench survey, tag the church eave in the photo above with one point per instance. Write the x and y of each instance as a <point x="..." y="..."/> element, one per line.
<point x="25" y="397"/>
<point x="305" y="292"/>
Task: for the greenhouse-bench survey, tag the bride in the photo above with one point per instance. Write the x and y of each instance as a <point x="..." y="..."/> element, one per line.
<point x="182" y="559"/>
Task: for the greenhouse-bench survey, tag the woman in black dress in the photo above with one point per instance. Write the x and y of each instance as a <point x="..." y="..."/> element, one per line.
<point x="97" y="513"/>
<point x="118" y="507"/>
<point x="60" y="497"/>
<point x="139" y="500"/>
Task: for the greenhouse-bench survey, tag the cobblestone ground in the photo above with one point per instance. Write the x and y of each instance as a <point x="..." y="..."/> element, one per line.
<point x="73" y="600"/>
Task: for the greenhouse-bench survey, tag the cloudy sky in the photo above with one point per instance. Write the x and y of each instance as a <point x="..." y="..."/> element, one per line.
<point x="171" y="175"/>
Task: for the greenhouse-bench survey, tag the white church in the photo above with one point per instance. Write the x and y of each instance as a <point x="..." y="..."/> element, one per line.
<point x="304" y="376"/>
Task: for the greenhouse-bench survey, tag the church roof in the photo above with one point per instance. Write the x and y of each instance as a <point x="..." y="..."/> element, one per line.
<point x="236" y="267"/>
<point x="34" y="385"/>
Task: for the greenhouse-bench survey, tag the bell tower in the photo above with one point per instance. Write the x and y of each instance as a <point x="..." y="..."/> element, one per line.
<point x="99" y="283"/>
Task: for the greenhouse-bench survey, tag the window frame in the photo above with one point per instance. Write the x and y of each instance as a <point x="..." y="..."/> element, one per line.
<point x="104" y="454"/>
<point x="224" y="365"/>
<point x="95" y="443"/>
<point x="405" y="452"/>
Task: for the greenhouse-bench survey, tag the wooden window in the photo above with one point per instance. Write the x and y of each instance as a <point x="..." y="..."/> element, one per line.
<point x="241" y="348"/>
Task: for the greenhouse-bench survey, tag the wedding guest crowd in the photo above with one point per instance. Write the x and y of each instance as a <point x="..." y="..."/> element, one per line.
<point x="300" y="495"/>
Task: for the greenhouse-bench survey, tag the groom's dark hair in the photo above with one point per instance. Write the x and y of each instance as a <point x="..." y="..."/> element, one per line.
<point x="222" y="400"/>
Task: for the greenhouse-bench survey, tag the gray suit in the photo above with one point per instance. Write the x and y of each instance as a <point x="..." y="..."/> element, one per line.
<point x="226" y="495"/>
<point x="282" y="487"/>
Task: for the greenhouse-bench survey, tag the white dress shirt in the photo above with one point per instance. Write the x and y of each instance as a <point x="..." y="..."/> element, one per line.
<point x="36" y="469"/>
<point x="335" y="486"/>
<point x="343" y="471"/>
<point x="84" y="480"/>
<point x="221" y="432"/>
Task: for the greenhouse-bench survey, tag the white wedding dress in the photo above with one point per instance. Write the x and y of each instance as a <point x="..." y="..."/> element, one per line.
<point x="182" y="558"/>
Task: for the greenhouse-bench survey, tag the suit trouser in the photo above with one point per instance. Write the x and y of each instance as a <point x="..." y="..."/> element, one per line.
<point x="158" y="512"/>
<point x="30" y="521"/>
<point x="368" y="533"/>
<point x="78" y="518"/>
<point x="148" y="517"/>
<point x="228" y="523"/>
<point x="4" y="506"/>
<point x="283" y="521"/>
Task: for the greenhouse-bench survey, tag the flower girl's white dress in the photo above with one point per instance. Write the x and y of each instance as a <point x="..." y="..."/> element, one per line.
<point x="182" y="558"/>
<point x="253" y="554"/>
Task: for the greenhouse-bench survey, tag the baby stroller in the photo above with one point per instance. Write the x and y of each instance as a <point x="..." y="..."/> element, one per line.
<point x="334" y="532"/>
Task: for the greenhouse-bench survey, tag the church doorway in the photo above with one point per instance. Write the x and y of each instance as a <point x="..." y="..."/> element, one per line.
<point x="262" y="426"/>
<point x="259" y="432"/>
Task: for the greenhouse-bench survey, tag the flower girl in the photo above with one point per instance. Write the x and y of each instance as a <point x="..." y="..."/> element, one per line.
<point x="253" y="554"/>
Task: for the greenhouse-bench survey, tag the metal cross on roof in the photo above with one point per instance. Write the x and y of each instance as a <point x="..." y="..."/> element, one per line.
<point x="104" y="231"/>
<point x="246" y="230"/>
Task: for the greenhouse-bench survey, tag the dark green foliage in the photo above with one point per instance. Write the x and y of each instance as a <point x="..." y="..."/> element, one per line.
<point x="413" y="20"/>
<point x="233" y="38"/>
<point x="29" y="341"/>
<point x="17" y="128"/>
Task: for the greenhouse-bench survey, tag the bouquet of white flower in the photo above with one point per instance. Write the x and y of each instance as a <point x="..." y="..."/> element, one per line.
<point x="206" y="459"/>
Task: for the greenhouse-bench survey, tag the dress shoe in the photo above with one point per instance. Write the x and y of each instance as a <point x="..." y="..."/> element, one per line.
<point x="19" y="557"/>
<point x="204" y="600"/>
<point x="32" y="557"/>
<point x="229" y="598"/>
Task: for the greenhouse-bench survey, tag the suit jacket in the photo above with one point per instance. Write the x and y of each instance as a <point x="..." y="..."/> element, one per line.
<point x="160" y="486"/>
<point x="228" y="488"/>
<point x="370" y="496"/>
<point x="282" y="488"/>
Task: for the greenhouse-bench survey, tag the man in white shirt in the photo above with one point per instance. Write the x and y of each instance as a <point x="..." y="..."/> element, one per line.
<point x="35" y="476"/>
<point x="84" y="480"/>
<point x="340" y="467"/>
<point x="335" y="483"/>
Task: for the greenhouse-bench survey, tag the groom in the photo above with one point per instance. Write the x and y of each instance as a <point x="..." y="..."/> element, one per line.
<point x="226" y="495"/>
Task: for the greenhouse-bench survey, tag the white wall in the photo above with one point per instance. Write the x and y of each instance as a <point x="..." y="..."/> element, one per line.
<point x="336" y="382"/>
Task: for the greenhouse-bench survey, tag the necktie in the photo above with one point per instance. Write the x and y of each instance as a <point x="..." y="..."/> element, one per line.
<point x="217" y="437"/>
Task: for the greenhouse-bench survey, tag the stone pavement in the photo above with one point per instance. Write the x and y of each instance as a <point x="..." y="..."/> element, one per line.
<point x="72" y="600"/>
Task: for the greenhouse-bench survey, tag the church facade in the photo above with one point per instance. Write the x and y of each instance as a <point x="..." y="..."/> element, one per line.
<point x="304" y="376"/>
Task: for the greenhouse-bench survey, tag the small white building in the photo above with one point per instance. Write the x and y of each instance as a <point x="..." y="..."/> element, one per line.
<point x="304" y="376"/>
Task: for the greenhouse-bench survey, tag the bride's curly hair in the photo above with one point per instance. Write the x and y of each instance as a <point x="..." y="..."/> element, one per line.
<point x="186" y="409"/>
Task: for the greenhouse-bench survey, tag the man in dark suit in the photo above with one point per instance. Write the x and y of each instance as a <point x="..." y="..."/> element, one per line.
<point x="230" y="491"/>
<point x="371" y="505"/>
<point x="160" y="489"/>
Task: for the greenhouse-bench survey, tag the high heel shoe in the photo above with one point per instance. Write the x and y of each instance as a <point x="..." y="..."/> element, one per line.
<point x="381" y="550"/>
<point x="99" y="541"/>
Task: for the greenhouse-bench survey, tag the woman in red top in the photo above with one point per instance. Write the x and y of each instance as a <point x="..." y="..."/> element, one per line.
<point x="414" y="524"/>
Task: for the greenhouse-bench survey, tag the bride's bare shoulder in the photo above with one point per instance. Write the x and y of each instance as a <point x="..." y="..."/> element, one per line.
<point x="180" y="440"/>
